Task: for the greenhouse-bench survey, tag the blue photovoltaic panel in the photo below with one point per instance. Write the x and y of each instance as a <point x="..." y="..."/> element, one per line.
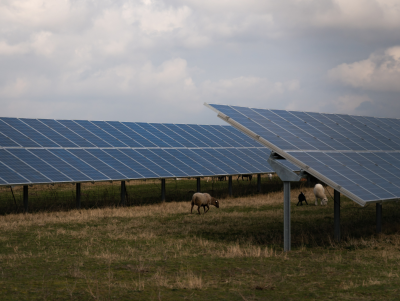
<point x="216" y="170"/>
<point x="22" y="168"/>
<point x="251" y="159"/>
<point x="220" y="155"/>
<point x="357" y="155"/>
<point x="212" y="159"/>
<point x="240" y="161"/>
<point x="10" y="176"/>
<point x="158" y="170"/>
<point x="171" y="142"/>
<point x="115" y="164"/>
<point x="149" y="136"/>
<point x="176" y="162"/>
<point x="16" y="136"/>
<point x="128" y="161"/>
<point x="29" y="132"/>
<point x="49" y="133"/>
<point x="242" y="140"/>
<point x="98" y="164"/>
<point x="60" y="165"/>
<point x="217" y="137"/>
<point x="53" y="151"/>
<point x="7" y="142"/>
<point x="103" y="135"/>
<point x="117" y="134"/>
<point x="72" y="125"/>
<point x="228" y="142"/>
<point x="174" y="135"/>
<point x="140" y="140"/>
<point x="67" y="133"/>
<point x="161" y="162"/>
<point x="210" y="141"/>
<point x="200" y="169"/>
<point x="175" y="128"/>
<point x="38" y="164"/>
<point x="82" y="166"/>
<point x="198" y="139"/>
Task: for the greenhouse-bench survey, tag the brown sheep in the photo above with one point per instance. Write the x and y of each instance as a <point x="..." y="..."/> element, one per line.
<point x="203" y="200"/>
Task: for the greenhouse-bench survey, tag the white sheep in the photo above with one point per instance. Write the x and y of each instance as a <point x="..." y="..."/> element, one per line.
<point x="319" y="193"/>
<point x="270" y="176"/>
<point x="203" y="200"/>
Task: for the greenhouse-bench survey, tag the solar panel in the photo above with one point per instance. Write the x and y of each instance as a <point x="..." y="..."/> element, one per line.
<point x="57" y="151"/>
<point x="358" y="156"/>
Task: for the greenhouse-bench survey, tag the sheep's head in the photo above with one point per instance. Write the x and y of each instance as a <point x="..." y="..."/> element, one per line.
<point x="324" y="201"/>
<point x="214" y="202"/>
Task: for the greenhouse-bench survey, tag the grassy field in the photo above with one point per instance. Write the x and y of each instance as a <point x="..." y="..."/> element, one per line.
<point x="61" y="197"/>
<point x="162" y="252"/>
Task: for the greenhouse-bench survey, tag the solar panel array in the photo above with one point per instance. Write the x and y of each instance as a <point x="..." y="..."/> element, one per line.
<point x="34" y="151"/>
<point x="357" y="155"/>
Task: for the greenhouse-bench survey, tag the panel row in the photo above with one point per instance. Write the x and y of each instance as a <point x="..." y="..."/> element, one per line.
<point x="370" y="176"/>
<point x="41" y="165"/>
<point x="24" y="132"/>
<point x="290" y="130"/>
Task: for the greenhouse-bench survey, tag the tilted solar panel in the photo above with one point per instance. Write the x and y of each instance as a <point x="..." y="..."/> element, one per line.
<point x="36" y="151"/>
<point x="358" y="156"/>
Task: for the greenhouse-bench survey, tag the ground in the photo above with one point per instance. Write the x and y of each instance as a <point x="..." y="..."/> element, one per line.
<point x="162" y="252"/>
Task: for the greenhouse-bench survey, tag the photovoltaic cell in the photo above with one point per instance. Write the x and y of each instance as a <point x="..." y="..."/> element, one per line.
<point x="45" y="169"/>
<point x="29" y="132"/>
<point x="22" y="168"/>
<point x="113" y="163"/>
<point x="67" y="133"/>
<point x="60" y="165"/>
<point x="79" y="164"/>
<point x="16" y="136"/>
<point x="49" y="133"/>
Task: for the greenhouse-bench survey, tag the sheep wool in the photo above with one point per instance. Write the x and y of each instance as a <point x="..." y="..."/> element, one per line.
<point x="319" y="193"/>
<point x="203" y="200"/>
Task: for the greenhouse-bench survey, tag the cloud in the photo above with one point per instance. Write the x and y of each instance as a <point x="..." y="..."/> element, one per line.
<point x="380" y="72"/>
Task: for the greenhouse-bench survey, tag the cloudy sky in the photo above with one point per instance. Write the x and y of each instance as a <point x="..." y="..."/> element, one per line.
<point x="159" y="61"/>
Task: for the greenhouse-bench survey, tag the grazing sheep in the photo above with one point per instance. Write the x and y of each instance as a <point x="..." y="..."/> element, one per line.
<point x="270" y="176"/>
<point x="203" y="200"/>
<point x="245" y="176"/>
<point x="222" y="178"/>
<point x="319" y="193"/>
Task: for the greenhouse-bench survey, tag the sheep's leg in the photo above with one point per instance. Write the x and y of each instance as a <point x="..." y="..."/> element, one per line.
<point x="316" y="201"/>
<point x="305" y="201"/>
<point x="198" y="209"/>
<point x="208" y="208"/>
<point x="191" y="210"/>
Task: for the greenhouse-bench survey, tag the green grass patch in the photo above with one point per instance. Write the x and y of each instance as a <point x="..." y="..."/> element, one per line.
<point x="162" y="252"/>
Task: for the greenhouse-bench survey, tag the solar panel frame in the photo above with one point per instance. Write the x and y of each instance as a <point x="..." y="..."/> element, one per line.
<point x="380" y="189"/>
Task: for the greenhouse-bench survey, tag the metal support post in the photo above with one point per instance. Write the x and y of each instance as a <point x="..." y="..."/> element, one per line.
<point x="286" y="216"/>
<point x="163" y="190"/>
<point x="78" y="195"/>
<point x="230" y="185"/>
<point x="258" y="183"/>
<point x="378" y="218"/>
<point x="198" y="185"/>
<point x="25" y="197"/>
<point x="123" y="193"/>
<point x="336" y="210"/>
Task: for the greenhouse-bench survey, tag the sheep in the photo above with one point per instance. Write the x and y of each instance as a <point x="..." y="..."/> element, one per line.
<point x="319" y="193"/>
<point x="270" y="176"/>
<point x="222" y="178"/>
<point x="245" y="176"/>
<point x="203" y="200"/>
